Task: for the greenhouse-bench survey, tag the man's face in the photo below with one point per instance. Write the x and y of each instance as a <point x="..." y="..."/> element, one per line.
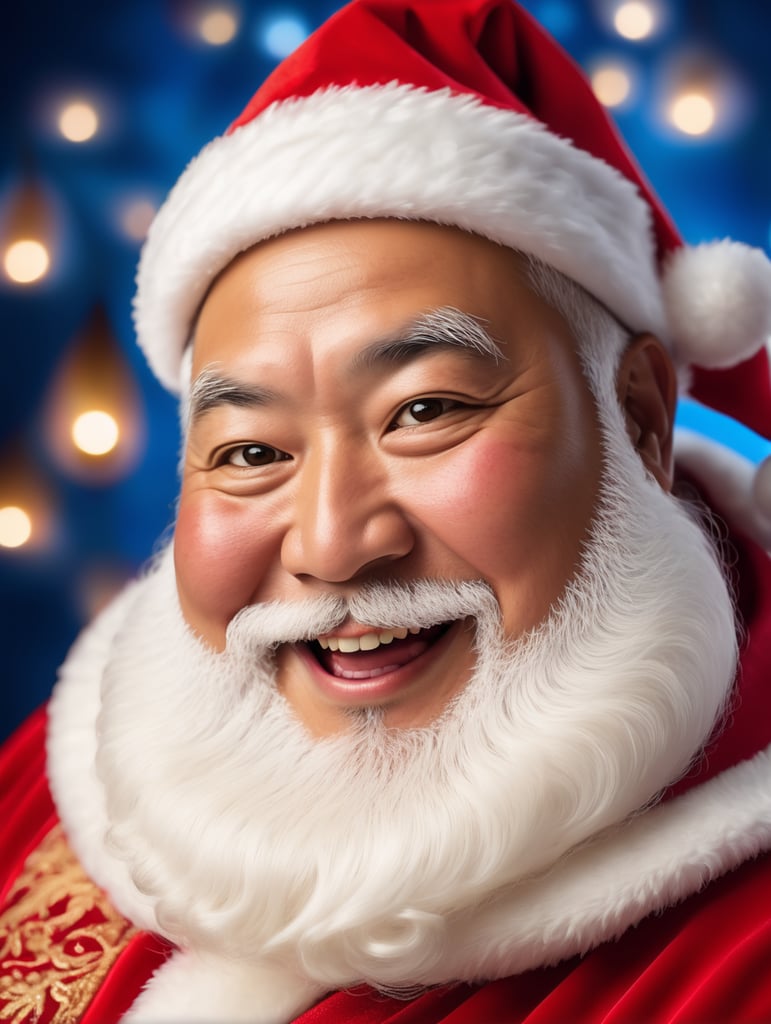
<point x="348" y="435"/>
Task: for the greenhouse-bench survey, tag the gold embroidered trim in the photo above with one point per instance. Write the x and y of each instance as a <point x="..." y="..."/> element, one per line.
<point x="59" y="936"/>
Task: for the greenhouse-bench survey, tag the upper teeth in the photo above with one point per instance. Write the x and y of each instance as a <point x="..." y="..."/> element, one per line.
<point x="368" y="642"/>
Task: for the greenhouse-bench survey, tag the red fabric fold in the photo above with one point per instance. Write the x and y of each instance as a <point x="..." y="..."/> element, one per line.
<point x="26" y="809"/>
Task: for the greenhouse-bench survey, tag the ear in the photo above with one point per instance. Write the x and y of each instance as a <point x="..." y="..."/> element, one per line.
<point x="647" y="391"/>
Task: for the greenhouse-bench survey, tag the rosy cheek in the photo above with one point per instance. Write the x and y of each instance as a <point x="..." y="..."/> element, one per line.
<point x="514" y="516"/>
<point x="476" y="501"/>
<point x="220" y="556"/>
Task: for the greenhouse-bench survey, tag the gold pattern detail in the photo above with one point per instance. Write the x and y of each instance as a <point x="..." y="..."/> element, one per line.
<point x="59" y="936"/>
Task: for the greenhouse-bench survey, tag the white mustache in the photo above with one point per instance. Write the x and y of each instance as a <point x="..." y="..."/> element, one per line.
<point x="422" y="603"/>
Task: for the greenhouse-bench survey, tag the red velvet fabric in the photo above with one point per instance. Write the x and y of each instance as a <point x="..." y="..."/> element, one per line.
<point x="742" y="392"/>
<point x="27" y="811"/>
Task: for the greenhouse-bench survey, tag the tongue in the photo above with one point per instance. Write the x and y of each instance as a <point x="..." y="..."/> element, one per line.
<point x="386" y="658"/>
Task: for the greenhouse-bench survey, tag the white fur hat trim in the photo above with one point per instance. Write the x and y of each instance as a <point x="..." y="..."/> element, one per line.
<point x="394" y="151"/>
<point x="411" y="153"/>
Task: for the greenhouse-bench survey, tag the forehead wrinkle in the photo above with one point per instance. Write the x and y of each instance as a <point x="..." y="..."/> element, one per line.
<point x="438" y="329"/>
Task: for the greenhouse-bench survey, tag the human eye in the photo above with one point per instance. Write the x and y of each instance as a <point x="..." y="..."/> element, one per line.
<point x="422" y="410"/>
<point x="249" y="456"/>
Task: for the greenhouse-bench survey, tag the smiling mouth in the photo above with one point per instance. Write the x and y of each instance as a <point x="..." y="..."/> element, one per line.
<point x="375" y="653"/>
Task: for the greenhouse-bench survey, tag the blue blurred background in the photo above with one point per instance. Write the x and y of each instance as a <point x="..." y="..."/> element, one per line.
<point x="103" y="105"/>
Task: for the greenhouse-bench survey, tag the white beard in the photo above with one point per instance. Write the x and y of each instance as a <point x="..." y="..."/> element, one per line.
<point x="350" y="858"/>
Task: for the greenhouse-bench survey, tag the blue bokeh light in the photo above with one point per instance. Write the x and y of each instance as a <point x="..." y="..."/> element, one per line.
<point x="282" y="35"/>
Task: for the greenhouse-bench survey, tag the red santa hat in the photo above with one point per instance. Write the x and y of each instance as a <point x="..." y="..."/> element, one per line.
<point x="461" y="112"/>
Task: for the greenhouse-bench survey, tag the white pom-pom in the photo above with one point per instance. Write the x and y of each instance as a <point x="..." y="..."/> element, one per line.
<point x="717" y="298"/>
<point x="761" y="490"/>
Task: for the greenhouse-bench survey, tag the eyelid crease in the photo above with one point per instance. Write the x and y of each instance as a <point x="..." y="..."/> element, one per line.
<point x="220" y="457"/>
<point x="406" y="406"/>
<point x="452" y="405"/>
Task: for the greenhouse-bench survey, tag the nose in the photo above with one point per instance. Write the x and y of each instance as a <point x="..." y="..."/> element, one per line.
<point x="344" y="520"/>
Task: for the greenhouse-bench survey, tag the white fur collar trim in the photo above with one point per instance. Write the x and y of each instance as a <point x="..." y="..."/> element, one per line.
<point x="394" y="151"/>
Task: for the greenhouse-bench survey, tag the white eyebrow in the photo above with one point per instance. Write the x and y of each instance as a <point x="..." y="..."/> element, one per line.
<point x="441" y="328"/>
<point x="212" y="389"/>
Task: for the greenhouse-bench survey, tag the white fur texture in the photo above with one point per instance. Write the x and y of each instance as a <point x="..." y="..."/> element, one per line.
<point x="198" y="989"/>
<point x="71" y="748"/>
<point x="394" y="151"/>
<point x="717" y="299"/>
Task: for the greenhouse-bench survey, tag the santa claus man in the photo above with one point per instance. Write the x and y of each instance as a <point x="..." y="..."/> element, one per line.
<point x="448" y="699"/>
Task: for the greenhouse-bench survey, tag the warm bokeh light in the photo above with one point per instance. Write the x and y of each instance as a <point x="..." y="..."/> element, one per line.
<point x="78" y="121"/>
<point x="28" y="508"/>
<point x="30" y="236"/>
<point x="15" y="526"/>
<point x="94" y="427"/>
<point x="26" y="261"/>
<point x="135" y="217"/>
<point x="611" y="85"/>
<point x="95" y="432"/>
<point x="218" y="26"/>
<point x="693" y="113"/>
<point x="634" y="20"/>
